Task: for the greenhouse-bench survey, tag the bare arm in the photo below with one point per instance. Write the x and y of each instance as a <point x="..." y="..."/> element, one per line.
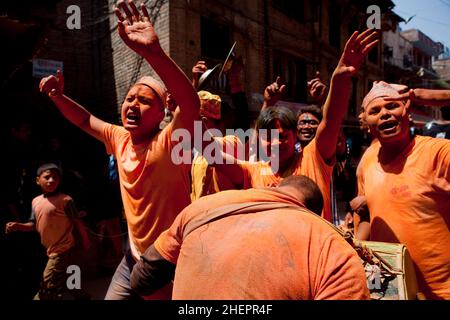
<point x="335" y="108"/>
<point x="363" y="231"/>
<point x="232" y="169"/>
<point x="81" y="228"/>
<point x="17" y="226"/>
<point x="426" y="97"/>
<point x="359" y="207"/>
<point x="72" y="111"/>
<point x="228" y="154"/>
<point x="137" y="32"/>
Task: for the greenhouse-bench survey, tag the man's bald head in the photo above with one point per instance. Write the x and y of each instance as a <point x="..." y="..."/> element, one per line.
<point x="304" y="189"/>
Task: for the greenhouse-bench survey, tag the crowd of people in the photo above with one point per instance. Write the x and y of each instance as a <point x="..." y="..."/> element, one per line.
<point x="243" y="228"/>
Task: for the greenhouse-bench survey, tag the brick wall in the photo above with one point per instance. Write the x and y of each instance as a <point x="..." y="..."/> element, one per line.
<point x="74" y="48"/>
<point x="100" y="68"/>
<point x="127" y="65"/>
<point x="307" y="41"/>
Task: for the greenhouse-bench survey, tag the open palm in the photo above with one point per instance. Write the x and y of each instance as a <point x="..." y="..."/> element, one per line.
<point x="356" y="49"/>
<point x="135" y="28"/>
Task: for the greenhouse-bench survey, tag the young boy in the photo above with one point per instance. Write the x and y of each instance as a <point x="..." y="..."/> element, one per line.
<point x="154" y="189"/>
<point x="53" y="215"/>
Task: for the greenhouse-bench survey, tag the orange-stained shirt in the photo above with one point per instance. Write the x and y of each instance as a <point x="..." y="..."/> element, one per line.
<point x="53" y="216"/>
<point x="310" y="163"/>
<point x="154" y="189"/>
<point x="274" y="254"/>
<point x="206" y="179"/>
<point x="409" y="202"/>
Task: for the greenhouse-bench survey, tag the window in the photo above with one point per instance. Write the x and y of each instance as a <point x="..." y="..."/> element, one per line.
<point x="427" y="62"/>
<point x="353" y="109"/>
<point x="215" y="39"/>
<point x="388" y="52"/>
<point x="293" y="72"/>
<point x="354" y="25"/>
<point x="369" y="85"/>
<point x="374" y="55"/>
<point x="315" y="11"/>
<point x="335" y="25"/>
<point x="407" y="61"/>
<point x="294" y="9"/>
<point x="418" y="59"/>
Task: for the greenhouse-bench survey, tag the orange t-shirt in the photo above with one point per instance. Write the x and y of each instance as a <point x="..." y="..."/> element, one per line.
<point x="274" y="254"/>
<point x="310" y="164"/>
<point x="206" y="179"/>
<point x="52" y="216"/>
<point x="154" y="189"/>
<point x="409" y="203"/>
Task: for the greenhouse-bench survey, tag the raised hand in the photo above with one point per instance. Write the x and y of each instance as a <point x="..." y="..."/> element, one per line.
<point x="274" y="92"/>
<point x="317" y="89"/>
<point x="425" y="97"/>
<point x="197" y="71"/>
<point x="136" y="30"/>
<point x="52" y="86"/>
<point x="356" y="49"/>
<point x="335" y="107"/>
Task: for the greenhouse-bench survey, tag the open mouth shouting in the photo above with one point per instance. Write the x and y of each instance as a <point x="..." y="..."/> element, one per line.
<point x="133" y="119"/>
<point x="388" y="127"/>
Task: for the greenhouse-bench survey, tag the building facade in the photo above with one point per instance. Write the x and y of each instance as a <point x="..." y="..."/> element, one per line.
<point x="292" y="39"/>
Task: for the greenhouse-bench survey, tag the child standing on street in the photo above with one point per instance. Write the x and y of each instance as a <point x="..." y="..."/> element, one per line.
<point x="54" y="216"/>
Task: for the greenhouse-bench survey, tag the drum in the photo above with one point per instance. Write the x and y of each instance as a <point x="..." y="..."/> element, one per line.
<point x="389" y="270"/>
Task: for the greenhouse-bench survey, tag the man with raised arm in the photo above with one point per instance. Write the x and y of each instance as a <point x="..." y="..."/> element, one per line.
<point x="406" y="183"/>
<point x="317" y="159"/>
<point x="154" y="189"/>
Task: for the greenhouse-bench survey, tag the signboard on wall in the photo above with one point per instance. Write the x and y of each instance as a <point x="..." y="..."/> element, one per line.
<point x="43" y="67"/>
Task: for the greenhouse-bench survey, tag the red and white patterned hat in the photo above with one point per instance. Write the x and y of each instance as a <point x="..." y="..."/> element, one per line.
<point x="157" y="86"/>
<point x="382" y="89"/>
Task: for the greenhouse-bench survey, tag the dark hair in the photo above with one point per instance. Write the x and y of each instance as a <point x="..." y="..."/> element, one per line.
<point x="267" y="117"/>
<point x="311" y="192"/>
<point x="445" y="113"/>
<point x="313" y="109"/>
<point x="48" y="166"/>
